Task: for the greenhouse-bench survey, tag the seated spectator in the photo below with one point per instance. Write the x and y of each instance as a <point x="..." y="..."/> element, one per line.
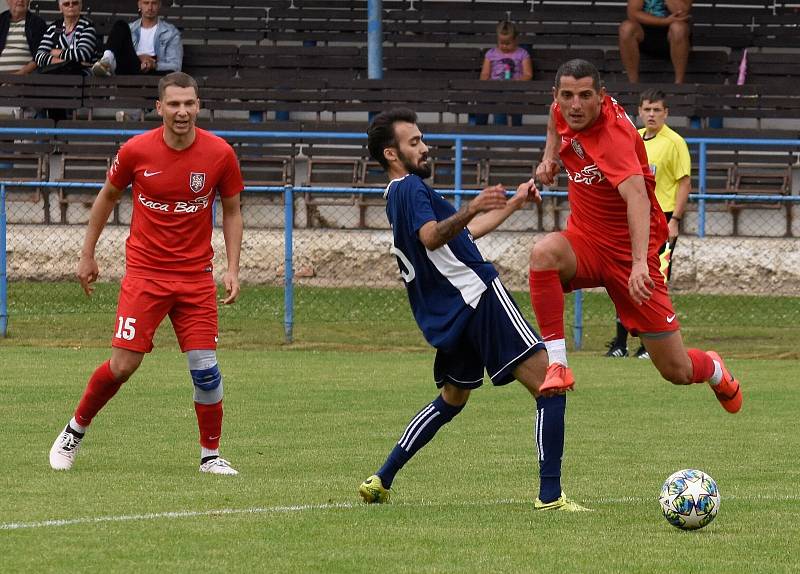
<point x="148" y="45"/>
<point x="21" y="32"/>
<point x="69" y="45"/>
<point x="507" y="61"/>
<point x="657" y="27"/>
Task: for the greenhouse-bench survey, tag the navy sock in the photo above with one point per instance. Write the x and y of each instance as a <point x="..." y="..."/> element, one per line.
<point x="622" y="334"/>
<point x="417" y="434"/>
<point x="550" y="444"/>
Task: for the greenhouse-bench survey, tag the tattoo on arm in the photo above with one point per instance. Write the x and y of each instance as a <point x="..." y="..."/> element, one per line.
<point x="449" y="228"/>
<point x="452" y="226"/>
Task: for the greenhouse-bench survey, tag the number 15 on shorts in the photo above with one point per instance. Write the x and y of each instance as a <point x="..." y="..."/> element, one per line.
<point x="126" y="328"/>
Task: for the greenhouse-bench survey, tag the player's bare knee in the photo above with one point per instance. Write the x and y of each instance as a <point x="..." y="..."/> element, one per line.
<point x="531" y="372"/>
<point x="455" y="396"/>
<point x="675" y="373"/>
<point x="206" y="376"/>
<point x="124" y="365"/>
<point x="545" y="254"/>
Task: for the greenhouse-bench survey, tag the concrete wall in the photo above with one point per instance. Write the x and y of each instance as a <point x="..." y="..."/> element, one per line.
<point x="361" y="257"/>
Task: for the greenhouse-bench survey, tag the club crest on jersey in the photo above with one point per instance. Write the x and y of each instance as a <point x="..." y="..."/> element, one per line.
<point x="197" y="181"/>
<point x="576" y="146"/>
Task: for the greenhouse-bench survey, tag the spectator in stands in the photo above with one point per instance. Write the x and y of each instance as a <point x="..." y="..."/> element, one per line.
<point x="506" y="61"/>
<point x="658" y="27"/>
<point x="21" y="32"/>
<point x="69" y="45"/>
<point x="148" y="45"/>
<point x="671" y="165"/>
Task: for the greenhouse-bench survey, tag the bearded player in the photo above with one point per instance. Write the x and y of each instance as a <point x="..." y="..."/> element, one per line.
<point x="175" y="172"/>
<point x="613" y="235"/>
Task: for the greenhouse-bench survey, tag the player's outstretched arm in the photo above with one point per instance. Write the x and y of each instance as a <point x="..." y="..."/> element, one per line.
<point x="102" y="207"/>
<point x="434" y="234"/>
<point x="489" y="221"/>
<point x="547" y="170"/>
<point x="232" y="229"/>
<point x="634" y="192"/>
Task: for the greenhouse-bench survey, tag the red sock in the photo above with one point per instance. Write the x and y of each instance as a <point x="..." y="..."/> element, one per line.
<point x="702" y="365"/>
<point x="101" y="387"/>
<point x="547" y="300"/>
<point x="209" y="420"/>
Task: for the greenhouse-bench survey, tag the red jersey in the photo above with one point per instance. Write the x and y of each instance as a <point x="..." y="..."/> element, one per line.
<point x="597" y="159"/>
<point x="173" y="192"/>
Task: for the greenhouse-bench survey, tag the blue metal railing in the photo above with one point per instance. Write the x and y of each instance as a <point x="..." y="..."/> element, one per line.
<point x="289" y="191"/>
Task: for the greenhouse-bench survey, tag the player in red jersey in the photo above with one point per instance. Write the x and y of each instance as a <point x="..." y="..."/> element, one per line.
<point x="613" y="235"/>
<point x="175" y="172"/>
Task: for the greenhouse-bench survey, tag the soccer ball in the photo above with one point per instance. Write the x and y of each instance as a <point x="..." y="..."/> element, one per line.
<point x="689" y="499"/>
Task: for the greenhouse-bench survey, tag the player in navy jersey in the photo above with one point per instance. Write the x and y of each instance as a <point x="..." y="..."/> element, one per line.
<point x="460" y="305"/>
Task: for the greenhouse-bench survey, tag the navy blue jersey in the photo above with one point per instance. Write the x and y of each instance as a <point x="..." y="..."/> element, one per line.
<point x="444" y="286"/>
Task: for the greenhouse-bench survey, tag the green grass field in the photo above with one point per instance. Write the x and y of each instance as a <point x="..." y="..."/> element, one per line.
<point x="305" y="423"/>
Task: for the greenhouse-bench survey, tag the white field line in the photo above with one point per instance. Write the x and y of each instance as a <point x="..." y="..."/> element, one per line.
<point x="332" y="506"/>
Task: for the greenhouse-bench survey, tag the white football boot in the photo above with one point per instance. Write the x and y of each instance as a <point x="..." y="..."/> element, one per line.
<point x="218" y="466"/>
<point x="64" y="449"/>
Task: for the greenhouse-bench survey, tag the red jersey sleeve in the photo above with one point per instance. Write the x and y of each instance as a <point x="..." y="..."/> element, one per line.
<point x="120" y="174"/>
<point x="230" y="182"/>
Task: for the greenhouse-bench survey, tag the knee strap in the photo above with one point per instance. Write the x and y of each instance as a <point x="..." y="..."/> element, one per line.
<point x="206" y="377"/>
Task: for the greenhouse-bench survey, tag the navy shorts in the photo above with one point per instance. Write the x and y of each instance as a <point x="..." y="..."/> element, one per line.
<point x="497" y="338"/>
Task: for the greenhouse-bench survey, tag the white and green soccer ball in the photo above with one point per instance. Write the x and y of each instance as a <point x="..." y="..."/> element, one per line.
<point x="689" y="499"/>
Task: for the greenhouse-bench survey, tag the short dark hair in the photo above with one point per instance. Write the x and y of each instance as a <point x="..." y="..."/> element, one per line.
<point x="653" y="95"/>
<point x="578" y="69"/>
<point x="179" y="79"/>
<point x="380" y="133"/>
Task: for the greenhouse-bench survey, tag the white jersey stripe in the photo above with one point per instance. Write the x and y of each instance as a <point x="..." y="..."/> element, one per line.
<point x="539" y="424"/>
<point x="386" y="191"/>
<point x="461" y="276"/>
<point x="421" y="428"/>
<point x="513" y="313"/>
<point x="412" y="425"/>
<point x="455" y="380"/>
<point x="520" y="325"/>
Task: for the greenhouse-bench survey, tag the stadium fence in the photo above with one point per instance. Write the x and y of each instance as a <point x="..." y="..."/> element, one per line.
<point x="344" y="249"/>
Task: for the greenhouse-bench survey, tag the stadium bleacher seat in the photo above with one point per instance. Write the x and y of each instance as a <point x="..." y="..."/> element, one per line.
<point x="26" y="159"/>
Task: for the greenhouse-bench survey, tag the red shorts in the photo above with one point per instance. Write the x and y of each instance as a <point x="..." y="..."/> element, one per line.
<point x="599" y="268"/>
<point x="143" y="304"/>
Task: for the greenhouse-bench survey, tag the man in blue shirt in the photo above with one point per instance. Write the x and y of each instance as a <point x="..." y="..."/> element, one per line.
<point x="461" y="306"/>
<point x="149" y="45"/>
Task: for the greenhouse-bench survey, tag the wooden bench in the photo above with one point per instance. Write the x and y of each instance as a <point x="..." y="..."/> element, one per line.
<point x="286" y="61"/>
<point x="26" y="158"/>
<point x="120" y="93"/>
<point x="42" y="92"/>
<point x="203" y="62"/>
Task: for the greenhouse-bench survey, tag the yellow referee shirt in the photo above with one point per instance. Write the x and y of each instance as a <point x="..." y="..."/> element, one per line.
<point x="669" y="160"/>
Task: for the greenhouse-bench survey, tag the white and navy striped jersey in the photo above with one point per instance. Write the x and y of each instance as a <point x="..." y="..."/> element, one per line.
<point x="444" y="286"/>
<point x="78" y="45"/>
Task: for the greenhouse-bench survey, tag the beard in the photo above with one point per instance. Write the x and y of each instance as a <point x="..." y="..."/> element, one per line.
<point x="421" y="171"/>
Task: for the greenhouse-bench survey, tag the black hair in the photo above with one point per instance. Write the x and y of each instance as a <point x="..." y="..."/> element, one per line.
<point x="578" y="69"/>
<point x="380" y="133"/>
<point x="653" y="95"/>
